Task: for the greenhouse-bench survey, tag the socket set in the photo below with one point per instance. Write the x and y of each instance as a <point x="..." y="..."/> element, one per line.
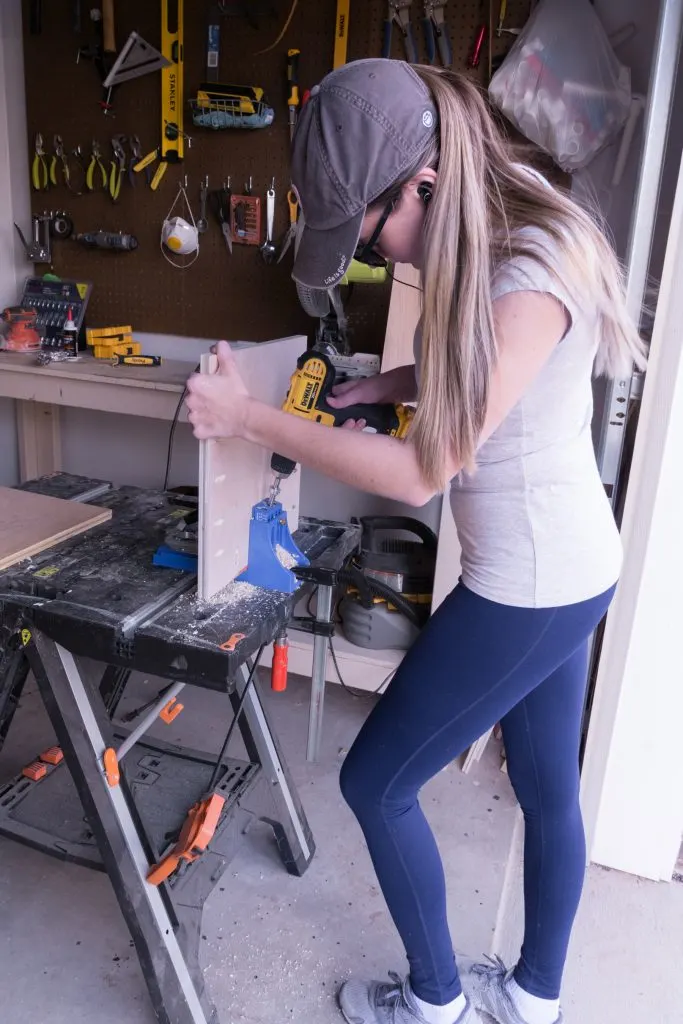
<point x="52" y="299"/>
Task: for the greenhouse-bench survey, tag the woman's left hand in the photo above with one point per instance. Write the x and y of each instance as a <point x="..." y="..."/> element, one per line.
<point x="217" y="403"/>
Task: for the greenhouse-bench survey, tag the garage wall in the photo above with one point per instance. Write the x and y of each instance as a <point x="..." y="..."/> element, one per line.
<point x="14" y="198"/>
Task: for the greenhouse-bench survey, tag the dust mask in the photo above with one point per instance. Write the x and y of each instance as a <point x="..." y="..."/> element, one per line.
<point x="179" y="235"/>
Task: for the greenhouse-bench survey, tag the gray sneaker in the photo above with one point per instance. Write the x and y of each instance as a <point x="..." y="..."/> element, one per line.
<point x="377" y="1002"/>
<point x="487" y="985"/>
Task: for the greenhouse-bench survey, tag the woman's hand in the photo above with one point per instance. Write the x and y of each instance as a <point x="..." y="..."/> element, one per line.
<point x="366" y="391"/>
<point x="217" y="403"/>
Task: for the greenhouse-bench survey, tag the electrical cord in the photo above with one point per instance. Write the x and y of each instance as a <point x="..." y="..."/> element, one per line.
<point x="238" y="712"/>
<point x="171" y="433"/>
<point x="398" y="280"/>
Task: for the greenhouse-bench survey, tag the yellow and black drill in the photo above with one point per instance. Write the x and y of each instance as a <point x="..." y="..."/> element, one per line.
<point x="309" y="388"/>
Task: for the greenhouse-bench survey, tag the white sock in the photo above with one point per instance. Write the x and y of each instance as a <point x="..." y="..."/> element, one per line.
<point x="532" y="1009"/>
<point x="447" y="1014"/>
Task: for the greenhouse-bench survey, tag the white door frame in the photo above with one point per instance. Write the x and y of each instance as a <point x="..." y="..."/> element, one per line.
<point x="631" y="788"/>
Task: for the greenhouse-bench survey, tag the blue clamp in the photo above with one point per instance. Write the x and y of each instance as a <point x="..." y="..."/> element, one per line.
<point x="271" y="550"/>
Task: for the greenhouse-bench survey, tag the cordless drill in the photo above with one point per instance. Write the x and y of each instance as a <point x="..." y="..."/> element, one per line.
<point x="309" y="388"/>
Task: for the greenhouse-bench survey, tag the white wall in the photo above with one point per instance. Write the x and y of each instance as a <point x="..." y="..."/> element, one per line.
<point x="14" y="198"/>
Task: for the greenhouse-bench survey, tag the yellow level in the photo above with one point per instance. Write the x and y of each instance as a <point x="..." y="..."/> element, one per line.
<point x="172" y="148"/>
<point x="341" y="33"/>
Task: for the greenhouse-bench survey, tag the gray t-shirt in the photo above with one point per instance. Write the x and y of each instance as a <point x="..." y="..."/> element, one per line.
<point x="534" y="523"/>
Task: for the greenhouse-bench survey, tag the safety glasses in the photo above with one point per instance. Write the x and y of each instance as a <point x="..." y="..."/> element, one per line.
<point x="365" y="250"/>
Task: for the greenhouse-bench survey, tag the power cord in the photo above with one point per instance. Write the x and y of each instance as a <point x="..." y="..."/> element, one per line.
<point x="171" y="433"/>
<point x="406" y="284"/>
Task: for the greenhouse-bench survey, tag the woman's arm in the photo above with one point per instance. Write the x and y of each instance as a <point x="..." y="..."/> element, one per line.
<point x="528" y="327"/>
<point x="397" y="385"/>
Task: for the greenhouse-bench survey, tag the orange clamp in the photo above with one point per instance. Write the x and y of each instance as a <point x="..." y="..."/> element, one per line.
<point x="111" y="766"/>
<point x="196" y="834"/>
<point x="170" y="711"/>
<point x="232" y="643"/>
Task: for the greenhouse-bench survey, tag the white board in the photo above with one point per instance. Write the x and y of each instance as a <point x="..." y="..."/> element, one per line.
<point x="234" y="474"/>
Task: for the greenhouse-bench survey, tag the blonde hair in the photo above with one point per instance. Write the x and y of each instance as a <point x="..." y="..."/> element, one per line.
<point x="481" y="200"/>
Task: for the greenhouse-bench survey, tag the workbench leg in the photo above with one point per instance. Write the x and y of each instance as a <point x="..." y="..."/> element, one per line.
<point x="292" y="831"/>
<point x="80" y="723"/>
<point x="39" y="438"/>
<point x="321" y="645"/>
<point x="14" y="669"/>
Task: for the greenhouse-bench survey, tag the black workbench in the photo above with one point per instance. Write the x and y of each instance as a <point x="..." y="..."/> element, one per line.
<point x="98" y="597"/>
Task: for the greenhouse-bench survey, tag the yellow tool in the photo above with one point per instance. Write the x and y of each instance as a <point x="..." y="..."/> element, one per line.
<point x="137" y="360"/>
<point x="243" y="98"/>
<point x="287" y="241"/>
<point x="39" y="173"/>
<point x="501" y="17"/>
<point x="341" y="33"/>
<point x="95" y="165"/>
<point x="59" y="156"/>
<point x="108" y="342"/>
<point x="118" y="166"/>
<point x="172" y="149"/>
<point x="293" y="99"/>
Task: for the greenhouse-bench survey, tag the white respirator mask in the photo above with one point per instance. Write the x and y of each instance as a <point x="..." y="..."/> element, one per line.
<point x="180" y="237"/>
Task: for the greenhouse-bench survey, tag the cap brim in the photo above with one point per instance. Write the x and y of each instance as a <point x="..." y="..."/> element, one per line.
<point x="323" y="257"/>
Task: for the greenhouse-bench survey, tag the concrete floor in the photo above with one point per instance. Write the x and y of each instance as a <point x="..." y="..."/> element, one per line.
<point x="276" y="947"/>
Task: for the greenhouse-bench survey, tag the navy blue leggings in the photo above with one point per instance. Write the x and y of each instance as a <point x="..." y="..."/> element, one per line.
<point x="474" y="664"/>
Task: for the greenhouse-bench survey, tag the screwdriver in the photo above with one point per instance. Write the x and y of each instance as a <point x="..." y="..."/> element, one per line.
<point x="136" y="361"/>
<point x="293" y="82"/>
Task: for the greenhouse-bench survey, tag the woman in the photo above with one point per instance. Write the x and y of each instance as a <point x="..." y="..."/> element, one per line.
<point x="522" y="295"/>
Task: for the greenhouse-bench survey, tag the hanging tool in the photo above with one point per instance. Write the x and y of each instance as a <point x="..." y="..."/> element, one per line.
<point x="38" y="250"/>
<point x="398" y="13"/>
<point x="293" y="83"/>
<point x="213" y="50"/>
<point x="341" y="33"/>
<point x="39" y="173"/>
<point x="137" y="58"/>
<point x="287" y="241"/>
<point x="103" y="51"/>
<point x="268" y="248"/>
<point x="59" y="157"/>
<point x="61" y="225"/>
<point x="172" y="98"/>
<point x="80" y="161"/>
<point x="202" y="222"/>
<point x="219" y="105"/>
<point x="436" y="33"/>
<point x="96" y="169"/>
<point x="136" y="158"/>
<point x="220" y="204"/>
<point x="118" y="166"/>
<point x="501" y="17"/>
<point x="475" y="56"/>
<point x="116" y="241"/>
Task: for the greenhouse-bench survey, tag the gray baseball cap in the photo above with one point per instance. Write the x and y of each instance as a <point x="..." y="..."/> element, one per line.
<point x="363" y="127"/>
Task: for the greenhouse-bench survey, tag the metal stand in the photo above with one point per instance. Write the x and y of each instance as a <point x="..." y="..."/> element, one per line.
<point x="321" y="644"/>
<point x="164" y="921"/>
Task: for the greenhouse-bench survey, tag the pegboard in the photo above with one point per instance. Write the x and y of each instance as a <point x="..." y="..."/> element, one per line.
<point x="236" y="296"/>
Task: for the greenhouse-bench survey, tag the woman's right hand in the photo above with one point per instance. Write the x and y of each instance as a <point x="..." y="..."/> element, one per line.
<point x="366" y="391"/>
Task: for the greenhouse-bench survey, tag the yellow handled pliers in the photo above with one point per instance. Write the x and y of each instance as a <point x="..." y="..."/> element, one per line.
<point x="95" y="165"/>
<point x="293" y="204"/>
<point x="39" y="173"/>
<point x="59" y="157"/>
<point x="118" y="166"/>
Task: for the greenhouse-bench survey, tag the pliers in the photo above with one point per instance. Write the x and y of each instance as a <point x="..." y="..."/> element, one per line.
<point x="436" y="33"/>
<point x="399" y="14"/>
<point x="59" y="156"/>
<point x="220" y="204"/>
<point x="136" y="157"/>
<point x="39" y="172"/>
<point x="118" y="166"/>
<point x="95" y="165"/>
<point x="293" y="203"/>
